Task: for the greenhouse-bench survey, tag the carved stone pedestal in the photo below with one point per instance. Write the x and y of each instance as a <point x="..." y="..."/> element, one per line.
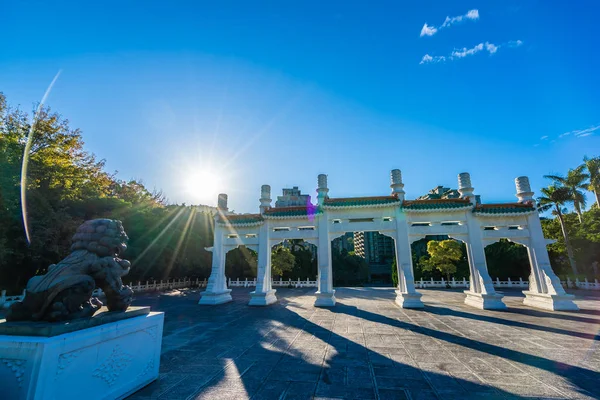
<point x="214" y="298"/>
<point x="326" y="299"/>
<point x="485" y="301"/>
<point x="553" y="302"/>
<point x="262" y="299"/>
<point x="85" y="359"/>
<point x="409" y="300"/>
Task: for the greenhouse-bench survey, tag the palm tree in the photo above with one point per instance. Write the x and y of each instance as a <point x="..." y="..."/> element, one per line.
<point x="593" y="167"/>
<point x="574" y="182"/>
<point x="555" y="198"/>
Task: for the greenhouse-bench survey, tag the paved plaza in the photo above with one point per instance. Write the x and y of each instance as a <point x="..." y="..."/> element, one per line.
<point x="366" y="347"/>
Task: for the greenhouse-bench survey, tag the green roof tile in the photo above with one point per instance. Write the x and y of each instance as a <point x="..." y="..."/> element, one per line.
<point x="293" y="211"/>
<point x="360" y="201"/>
<point x="435" y="204"/>
<point x="503" y="209"/>
<point x="238" y="219"/>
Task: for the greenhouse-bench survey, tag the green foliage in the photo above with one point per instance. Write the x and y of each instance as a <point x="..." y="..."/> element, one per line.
<point x="394" y="273"/>
<point x="241" y="262"/>
<point x="349" y="270"/>
<point x="507" y="260"/>
<point x="282" y="260"/>
<point x="443" y="255"/>
<point x="66" y="185"/>
<point x="584" y="239"/>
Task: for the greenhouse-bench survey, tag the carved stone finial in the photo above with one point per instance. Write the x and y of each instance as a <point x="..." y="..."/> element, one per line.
<point x="322" y="188"/>
<point x="222" y="202"/>
<point x="265" y="198"/>
<point x="464" y="186"/>
<point x="524" y="193"/>
<point x="65" y="292"/>
<point x="322" y="181"/>
<point x="397" y="185"/>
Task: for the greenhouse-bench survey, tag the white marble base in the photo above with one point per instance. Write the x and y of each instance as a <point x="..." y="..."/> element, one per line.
<point x="325" y="299"/>
<point x="409" y="300"/>
<point x="262" y="299"/>
<point x="552" y="302"/>
<point x="482" y="301"/>
<point x="109" y="361"/>
<point x="214" y="298"/>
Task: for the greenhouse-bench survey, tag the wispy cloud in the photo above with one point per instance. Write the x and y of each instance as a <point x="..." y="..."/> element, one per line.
<point x="578" y="133"/>
<point x="464" y="52"/>
<point x="431" y="59"/>
<point x="585" y="132"/>
<point x="430" y="30"/>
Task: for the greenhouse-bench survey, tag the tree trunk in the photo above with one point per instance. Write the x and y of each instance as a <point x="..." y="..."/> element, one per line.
<point x="567" y="242"/>
<point x="578" y="211"/>
<point x="597" y="194"/>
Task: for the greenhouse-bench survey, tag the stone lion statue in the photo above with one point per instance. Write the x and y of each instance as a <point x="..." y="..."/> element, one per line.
<point x="65" y="291"/>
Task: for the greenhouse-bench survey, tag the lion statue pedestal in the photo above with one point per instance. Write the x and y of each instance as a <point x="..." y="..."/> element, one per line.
<point x="62" y="343"/>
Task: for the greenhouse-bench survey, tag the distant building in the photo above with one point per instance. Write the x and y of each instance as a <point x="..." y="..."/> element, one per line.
<point x="292" y="197"/>
<point x="344" y="242"/>
<point x="441" y="192"/>
<point x="378" y="251"/>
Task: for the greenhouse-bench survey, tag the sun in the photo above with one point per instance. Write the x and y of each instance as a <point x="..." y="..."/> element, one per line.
<point x="203" y="185"/>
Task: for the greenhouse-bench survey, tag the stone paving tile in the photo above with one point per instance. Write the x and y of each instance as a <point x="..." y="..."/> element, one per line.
<point x="367" y="348"/>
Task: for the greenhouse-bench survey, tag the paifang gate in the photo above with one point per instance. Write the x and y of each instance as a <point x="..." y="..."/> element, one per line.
<point x="477" y="225"/>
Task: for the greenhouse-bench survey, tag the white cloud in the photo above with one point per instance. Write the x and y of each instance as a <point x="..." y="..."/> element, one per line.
<point x="467" y="52"/>
<point x="514" y="43"/>
<point x="586" y="132"/>
<point x="430" y="30"/>
<point x="544" y="137"/>
<point x="581" y="132"/>
<point x="432" y="59"/>
<point x="491" y="48"/>
<point x="472" y="14"/>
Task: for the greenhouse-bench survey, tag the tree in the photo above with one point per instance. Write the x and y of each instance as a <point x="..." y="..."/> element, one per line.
<point x="394" y="273"/>
<point x="443" y="256"/>
<point x="554" y="197"/>
<point x="593" y="168"/>
<point x="574" y="182"/>
<point x="282" y="260"/>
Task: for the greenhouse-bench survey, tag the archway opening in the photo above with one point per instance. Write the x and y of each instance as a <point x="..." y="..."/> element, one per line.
<point x="421" y="256"/>
<point x="362" y="259"/>
<point x="241" y="263"/>
<point x="506" y="259"/>
<point x="294" y="259"/>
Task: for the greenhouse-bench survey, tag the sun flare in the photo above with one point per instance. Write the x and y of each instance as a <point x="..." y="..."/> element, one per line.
<point x="203" y="185"/>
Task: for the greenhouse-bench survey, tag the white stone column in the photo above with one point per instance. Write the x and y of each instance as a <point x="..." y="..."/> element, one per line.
<point x="216" y="289"/>
<point x="406" y="294"/>
<point x="481" y="293"/>
<point x="264" y="294"/>
<point x="325" y="293"/>
<point x="545" y="290"/>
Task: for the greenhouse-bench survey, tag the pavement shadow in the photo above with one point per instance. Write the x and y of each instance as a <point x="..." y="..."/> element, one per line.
<point x="285" y="352"/>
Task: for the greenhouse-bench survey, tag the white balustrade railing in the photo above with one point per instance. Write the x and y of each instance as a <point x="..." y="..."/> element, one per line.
<point x="140" y="287"/>
<point x="150" y="286"/>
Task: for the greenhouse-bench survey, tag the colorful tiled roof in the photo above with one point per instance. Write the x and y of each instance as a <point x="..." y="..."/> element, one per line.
<point x="504" y="208"/>
<point x="436" y="204"/>
<point x="351" y="202"/>
<point x="241" y="219"/>
<point x="292" y="212"/>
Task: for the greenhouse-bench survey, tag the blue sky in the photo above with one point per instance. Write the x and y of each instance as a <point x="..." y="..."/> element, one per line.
<point x="278" y="92"/>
